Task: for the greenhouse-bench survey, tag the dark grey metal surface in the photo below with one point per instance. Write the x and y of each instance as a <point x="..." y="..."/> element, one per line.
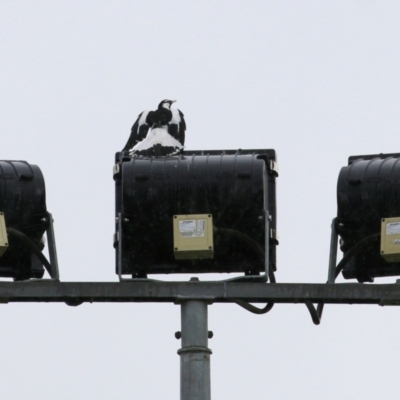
<point x="217" y="292"/>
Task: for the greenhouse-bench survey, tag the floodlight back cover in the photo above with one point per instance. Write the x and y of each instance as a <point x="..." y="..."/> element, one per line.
<point x="23" y="202"/>
<point x="367" y="191"/>
<point x="234" y="186"/>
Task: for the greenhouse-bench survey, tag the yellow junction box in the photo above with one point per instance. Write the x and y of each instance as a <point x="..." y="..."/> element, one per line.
<point x="390" y="239"/>
<point x="3" y="235"/>
<point x="193" y="236"/>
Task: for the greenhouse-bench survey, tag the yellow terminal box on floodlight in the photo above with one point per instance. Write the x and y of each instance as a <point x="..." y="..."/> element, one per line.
<point x="3" y="235"/>
<point x="193" y="236"/>
<point x="390" y="239"/>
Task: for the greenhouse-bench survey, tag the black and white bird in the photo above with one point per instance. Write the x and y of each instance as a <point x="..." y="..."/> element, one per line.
<point x="158" y="133"/>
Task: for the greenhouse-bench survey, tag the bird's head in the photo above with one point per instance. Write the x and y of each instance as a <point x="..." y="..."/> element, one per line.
<point x="166" y="104"/>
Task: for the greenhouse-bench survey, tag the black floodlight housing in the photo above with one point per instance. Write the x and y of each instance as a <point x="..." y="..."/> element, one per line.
<point x="24" y="220"/>
<point x="368" y="193"/>
<point x="165" y="206"/>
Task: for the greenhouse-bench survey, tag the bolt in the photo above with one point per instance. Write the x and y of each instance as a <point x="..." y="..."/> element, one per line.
<point x="210" y="334"/>
<point x="178" y="334"/>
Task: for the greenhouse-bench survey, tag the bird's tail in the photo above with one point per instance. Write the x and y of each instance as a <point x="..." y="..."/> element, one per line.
<point x="157" y="136"/>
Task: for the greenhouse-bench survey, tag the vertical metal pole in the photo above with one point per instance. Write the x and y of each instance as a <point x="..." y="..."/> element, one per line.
<point x="195" y="355"/>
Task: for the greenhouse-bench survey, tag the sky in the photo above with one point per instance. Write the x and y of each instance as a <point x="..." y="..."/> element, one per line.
<point x="316" y="81"/>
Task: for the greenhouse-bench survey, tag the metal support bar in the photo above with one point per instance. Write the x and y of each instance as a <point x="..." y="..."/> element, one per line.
<point x="333" y="253"/>
<point x="51" y="240"/>
<point x="194" y="354"/>
<point x="220" y="292"/>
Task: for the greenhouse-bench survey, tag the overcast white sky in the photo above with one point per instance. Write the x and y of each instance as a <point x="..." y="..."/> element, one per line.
<point x="317" y="81"/>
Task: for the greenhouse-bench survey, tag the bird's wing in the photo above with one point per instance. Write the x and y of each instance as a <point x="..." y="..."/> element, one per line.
<point x="139" y="129"/>
<point x="177" y="126"/>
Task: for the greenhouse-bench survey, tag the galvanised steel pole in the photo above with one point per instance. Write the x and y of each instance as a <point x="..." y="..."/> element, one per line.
<point x="195" y="355"/>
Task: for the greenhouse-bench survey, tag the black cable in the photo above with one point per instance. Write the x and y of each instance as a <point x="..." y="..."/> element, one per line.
<point x="354" y="249"/>
<point x="28" y="242"/>
<point x="246" y="238"/>
<point x="258" y="249"/>
<point x="316" y="313"/>
<point x="255" y="310"/>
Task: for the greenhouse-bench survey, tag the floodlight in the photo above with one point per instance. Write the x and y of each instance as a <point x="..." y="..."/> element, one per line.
<point x="368" y="223"/>
<point x="23" y="221"/>
<point x="200" y="212"/>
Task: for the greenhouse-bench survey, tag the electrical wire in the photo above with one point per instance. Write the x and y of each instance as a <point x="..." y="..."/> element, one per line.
<point x="246" y="238"/>
<point x="316" y="313"/>
<point x="259" y="250"/>
<point x="28" y="242"/>
<point x="363" y="242"/>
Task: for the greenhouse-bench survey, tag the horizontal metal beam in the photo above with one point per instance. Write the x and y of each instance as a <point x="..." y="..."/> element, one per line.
<point x="75" y="293"/>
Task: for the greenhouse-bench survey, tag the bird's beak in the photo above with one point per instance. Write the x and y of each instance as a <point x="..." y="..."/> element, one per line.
<point x="173" y="101"/>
